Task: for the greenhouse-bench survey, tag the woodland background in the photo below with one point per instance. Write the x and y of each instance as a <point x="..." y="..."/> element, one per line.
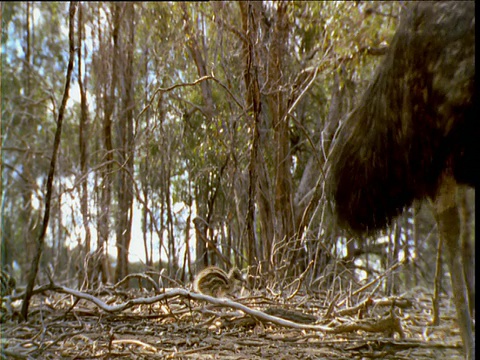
<point x="198" y="133"/>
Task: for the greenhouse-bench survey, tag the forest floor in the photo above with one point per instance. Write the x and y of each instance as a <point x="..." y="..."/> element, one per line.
<point x="134" y="324"/>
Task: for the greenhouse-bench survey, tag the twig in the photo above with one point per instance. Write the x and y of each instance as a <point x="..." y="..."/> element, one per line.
<point x="187" y="294"/>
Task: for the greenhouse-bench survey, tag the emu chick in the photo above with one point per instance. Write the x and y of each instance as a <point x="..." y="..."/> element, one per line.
<point x="7" y="283"/>
<point x="214" y="281"/>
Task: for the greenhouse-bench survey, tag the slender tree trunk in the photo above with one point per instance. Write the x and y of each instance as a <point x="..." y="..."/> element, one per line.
<point x="109" y="99"/>
<point x="277" y="100"/>
<point x="27" y="211"/>
<point x="49" y="188"/>
<point x="83" y="144"/>
<point x="124" y="54"/>
<point x="253" y="108"/>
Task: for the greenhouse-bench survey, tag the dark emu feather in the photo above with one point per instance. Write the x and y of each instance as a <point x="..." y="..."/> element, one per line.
<point x="415" y="127"/>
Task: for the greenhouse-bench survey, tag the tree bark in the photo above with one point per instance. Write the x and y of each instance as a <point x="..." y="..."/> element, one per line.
<point x="124" y="55"/>
<point x="253" y="106"/>
<point x="83" y="144"/>
<point x="49" y="188"/>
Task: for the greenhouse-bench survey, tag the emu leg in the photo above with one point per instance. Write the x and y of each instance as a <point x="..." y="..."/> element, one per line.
<point x="468" y="255"/>
<point x="448" y="222"/>
<point x="468" y="247"/>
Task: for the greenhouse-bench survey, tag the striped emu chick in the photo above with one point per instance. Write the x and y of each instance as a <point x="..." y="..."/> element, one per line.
<point x="214" y="281"/>
<point x="7" y="283"/>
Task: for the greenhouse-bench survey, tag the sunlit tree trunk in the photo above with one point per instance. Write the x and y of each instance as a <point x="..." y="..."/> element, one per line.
<point x="250" y="13"/>
<point x="83" y="145"/>
<point x="277" y="103"/>
<point x="124" y="55"/>
<point x="27" y="211"/>
<point x="40" y="241"/>
<point x="107" y="95"/>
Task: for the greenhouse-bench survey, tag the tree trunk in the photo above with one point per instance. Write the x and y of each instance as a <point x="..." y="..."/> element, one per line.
<point x="49" y="188"/>
<point x="124" y="55"/>
<point x="253" y="105"/>
<point x="277" y="104"/>
<point x="83" y="145"/>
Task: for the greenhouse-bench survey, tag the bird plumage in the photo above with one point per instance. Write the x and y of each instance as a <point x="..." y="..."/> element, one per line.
<point x="216" y="282"/>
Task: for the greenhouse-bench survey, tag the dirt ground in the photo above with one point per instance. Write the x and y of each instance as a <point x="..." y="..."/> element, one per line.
<point x="65" y="324"/>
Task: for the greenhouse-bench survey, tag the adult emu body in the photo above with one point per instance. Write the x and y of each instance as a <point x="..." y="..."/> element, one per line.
<point x="415" y="135"/>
